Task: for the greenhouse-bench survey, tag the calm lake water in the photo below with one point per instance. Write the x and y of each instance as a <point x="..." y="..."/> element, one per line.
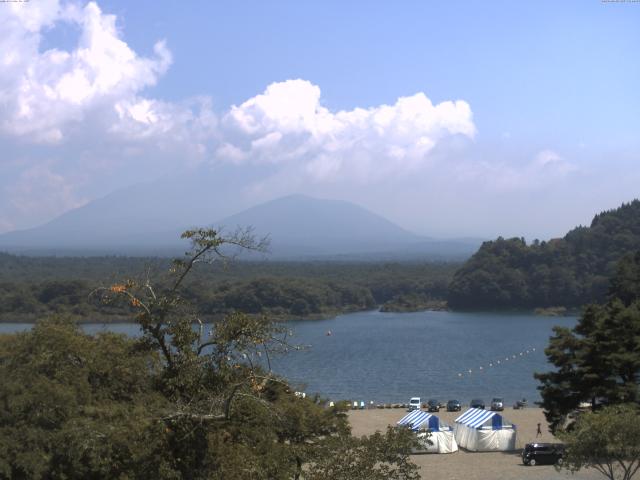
<point x="389" y="357"/>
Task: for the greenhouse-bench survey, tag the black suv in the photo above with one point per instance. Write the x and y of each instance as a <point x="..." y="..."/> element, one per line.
<point x="453" y="406"/>
<point x="477" y="403"/>
<point x="433" y="405"/>
<point x="542" y="453"/>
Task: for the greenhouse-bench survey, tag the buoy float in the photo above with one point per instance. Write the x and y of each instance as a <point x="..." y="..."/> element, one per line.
<point x="497" y="362"/>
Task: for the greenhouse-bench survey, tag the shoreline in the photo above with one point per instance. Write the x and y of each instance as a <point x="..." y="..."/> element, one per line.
<point x="115" y="319"/>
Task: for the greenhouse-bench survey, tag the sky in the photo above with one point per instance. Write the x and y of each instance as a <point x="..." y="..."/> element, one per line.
<point x="450" y="118"/>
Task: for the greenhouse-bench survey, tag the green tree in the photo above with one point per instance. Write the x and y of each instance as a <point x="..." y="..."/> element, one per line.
<point x="186" y="400"/>
<point x="79" y="406"/>
<point x="377" y="457"/>
<point x="607" y="441"/>
<point x="570" y="271"/>
<point x="599" y="359"/>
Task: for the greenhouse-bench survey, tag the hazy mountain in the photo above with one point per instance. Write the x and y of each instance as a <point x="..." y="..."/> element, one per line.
<point x="148" y="219"/>
<point x="302" y="226"/>
<point x="145" y="218"/>
<point x="320" y="226"/>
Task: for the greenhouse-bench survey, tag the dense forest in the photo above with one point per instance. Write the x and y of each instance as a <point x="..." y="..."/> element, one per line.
<point x="31" y="287"/>
<point x="570" y="271"/>
<point x="176" y="402"/>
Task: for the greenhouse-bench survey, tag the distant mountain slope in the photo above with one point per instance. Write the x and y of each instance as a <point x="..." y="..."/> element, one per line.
<point x="147" y="219"/>
<point x="321" y="226"/>
<point x="570" y="271"/>
<point x="144" y="216"/>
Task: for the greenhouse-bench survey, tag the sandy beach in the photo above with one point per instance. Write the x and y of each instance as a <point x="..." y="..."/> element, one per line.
<point x="464" y="465"/>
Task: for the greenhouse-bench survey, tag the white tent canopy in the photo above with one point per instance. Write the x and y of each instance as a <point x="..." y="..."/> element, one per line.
<point x="438" y="434"/>
<point x="484" y="431"/>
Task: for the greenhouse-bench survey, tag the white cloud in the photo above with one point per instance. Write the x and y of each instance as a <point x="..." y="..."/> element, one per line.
<point x="82" y="112"/>
<point x="287" y="123"/>
<point x="231" y="153"/>
<point x="42" y="93"/>
<point x="548" y="159"/>
<point x="545" y="168"/>
<point x="548" y="166"/>
<point x="79" y="123"/>
<point x="42" y="192"/>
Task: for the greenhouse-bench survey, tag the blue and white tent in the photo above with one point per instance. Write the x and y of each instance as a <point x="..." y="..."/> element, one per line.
<point x="484" y="431"/>
<point x="434" y="436"/>
<point x="417" y="420"/>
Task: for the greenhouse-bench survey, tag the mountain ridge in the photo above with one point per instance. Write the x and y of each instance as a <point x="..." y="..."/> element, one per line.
<point x="300" y="226"/>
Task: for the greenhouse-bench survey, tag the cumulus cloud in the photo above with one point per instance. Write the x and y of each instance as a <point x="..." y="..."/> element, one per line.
<point x="288" y="124"/>
<point x="85" y="107"/>
<point x="78" y="123"/>
<point x="43" y="92"/>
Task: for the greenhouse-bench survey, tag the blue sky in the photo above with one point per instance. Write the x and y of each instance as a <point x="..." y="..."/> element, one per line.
<point x="552" y="89"/>
<point x="529" y="68"/>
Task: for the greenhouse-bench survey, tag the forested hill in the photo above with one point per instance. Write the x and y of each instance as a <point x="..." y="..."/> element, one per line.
<point x="32" y="288"/>
<point x="570" y="271"/>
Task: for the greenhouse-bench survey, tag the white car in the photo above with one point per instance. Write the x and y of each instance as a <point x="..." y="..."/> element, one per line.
<point x="414" y="403"/>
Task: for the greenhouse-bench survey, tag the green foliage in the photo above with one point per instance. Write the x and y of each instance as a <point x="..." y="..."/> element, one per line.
<point x="378" y="457"/>
<point x="570" y="272"/>
<point x="599" y="359"/>
<point x="412" y="302"/>
<point x="607" y="441"/>
<point x="32" y="287"/>
<point x="181" y="401"/>
<point x="78" y="406"/>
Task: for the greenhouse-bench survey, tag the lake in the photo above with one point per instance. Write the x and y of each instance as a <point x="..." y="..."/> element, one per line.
<point x="389" y="357"/>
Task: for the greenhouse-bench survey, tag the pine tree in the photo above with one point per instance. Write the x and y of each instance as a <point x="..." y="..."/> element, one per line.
<point x="599" y="359"/>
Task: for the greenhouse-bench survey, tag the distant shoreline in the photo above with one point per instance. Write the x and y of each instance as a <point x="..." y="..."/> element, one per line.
<point x="434" y="306"/>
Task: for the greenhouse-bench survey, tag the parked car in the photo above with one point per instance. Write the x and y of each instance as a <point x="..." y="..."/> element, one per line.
<point x="542" y="453"/>
<point x="414" y="403"/>
<point x="453" y="406"/>
<point x="497" y="405"/>
<point x="477" y="403"/>
<point x="433" y="405"/>
<point x="520" y="404"/>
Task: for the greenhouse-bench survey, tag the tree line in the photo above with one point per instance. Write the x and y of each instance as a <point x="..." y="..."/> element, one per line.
<point x="571" y="271"/>
<point x="32" y="287"/>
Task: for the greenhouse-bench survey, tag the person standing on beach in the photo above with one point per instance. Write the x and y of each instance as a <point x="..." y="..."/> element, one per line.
<point x="539" y="431"/>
